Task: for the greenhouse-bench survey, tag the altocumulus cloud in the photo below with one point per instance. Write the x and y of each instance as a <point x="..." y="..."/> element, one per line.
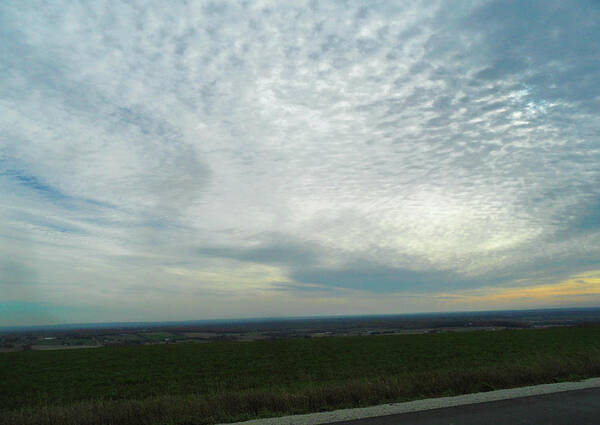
<point x="219" y="159"/>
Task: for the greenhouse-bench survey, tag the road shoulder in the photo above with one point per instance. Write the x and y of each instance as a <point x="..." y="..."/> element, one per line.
<point x="426" y="404"/>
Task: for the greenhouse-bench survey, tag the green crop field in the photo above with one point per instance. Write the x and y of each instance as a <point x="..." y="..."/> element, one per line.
<point x="219" y="382"/>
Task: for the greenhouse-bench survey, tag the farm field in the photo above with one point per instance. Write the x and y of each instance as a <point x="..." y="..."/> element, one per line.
<point x="229" y="381"/>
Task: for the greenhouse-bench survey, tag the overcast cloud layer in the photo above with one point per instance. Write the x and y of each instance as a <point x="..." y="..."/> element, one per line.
<point x="191" y="160"/>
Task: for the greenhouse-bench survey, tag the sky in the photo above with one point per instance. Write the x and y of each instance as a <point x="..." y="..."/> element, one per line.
<point x="197" y="160"/>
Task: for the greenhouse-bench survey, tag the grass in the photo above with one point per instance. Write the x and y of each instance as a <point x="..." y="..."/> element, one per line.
<point x="219" y="382"/>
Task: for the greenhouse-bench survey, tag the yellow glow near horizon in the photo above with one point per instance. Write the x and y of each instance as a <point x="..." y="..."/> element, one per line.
<point x="573" y="289"/>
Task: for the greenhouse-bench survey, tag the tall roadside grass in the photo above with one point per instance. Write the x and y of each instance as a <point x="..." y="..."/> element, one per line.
<point x="572" y="358"/>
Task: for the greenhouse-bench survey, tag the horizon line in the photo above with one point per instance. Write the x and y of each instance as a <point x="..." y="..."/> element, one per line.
<point x="132" y="324"/>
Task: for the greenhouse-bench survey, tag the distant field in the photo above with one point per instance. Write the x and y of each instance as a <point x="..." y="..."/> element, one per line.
<point x="227" y="381"/>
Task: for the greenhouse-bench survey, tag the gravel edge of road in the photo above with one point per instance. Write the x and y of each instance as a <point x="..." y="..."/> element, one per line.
<point x="426" y="404"/>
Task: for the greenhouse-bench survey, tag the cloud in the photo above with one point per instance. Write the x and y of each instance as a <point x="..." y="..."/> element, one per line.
<point x="382" y="148"/>
<point x="579" y="290"/>
<point x="275" y="249"/>
<point x="378" y="279"/>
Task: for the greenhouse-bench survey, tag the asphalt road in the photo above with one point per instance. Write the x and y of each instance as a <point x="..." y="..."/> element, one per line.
<point x="580" y="407"/>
